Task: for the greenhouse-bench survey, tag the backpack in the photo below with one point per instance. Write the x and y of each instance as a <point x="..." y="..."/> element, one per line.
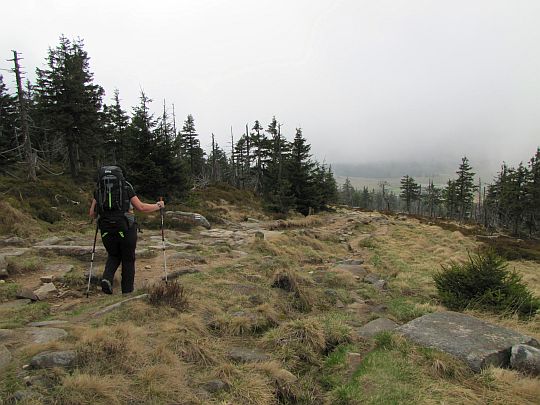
<point x="112" y="199"/>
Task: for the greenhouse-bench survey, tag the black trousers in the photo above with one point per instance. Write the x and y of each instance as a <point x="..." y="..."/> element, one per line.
<point x="121" y="250"/>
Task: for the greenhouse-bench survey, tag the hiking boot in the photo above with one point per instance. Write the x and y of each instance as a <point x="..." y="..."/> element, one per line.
<point x="106" y="286"/>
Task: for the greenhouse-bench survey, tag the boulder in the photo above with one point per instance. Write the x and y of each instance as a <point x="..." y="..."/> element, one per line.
<point x="247" y="355"/>
<point x="5" y="357"/>
<point x="51" y="359"/>
<point x="45" y="291"/>
<point x="370" y="329"/>
<point x="26" y="293"/>
<point x="45" y="335"/>
<point x="526" y="359"/>
<point x="476" y="342"/>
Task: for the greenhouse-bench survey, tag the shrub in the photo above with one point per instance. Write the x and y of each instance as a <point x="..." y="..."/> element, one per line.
<point x="485" y="283"/>
<point x="171" y="294"/>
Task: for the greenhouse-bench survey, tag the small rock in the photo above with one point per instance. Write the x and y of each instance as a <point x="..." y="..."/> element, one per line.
<point x="5" y="357"/>
<point x="376" y="326"/>
<point x="23" y="395"/>
<point x="45" y="290"/>
<point x="47" y="279"/>
<point x="214" y="386"/>
<point x="339" y="304"/>
<point x="3" y="274"/>
<point x="2" y="281"/>
<point x="26" y="293"/>
<point x="353" y="360"/>
<point x="54" y="359"/>
<point x="147" y="267"/>
<point x="246" y="355"/>
<point x="526" y="359"/>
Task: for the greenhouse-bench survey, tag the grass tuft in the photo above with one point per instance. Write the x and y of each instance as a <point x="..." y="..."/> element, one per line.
<point x="171" y="294"/>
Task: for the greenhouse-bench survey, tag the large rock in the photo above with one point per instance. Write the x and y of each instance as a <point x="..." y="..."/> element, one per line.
<point x="26" y="294"/>
<point x="45" y="291"/>
<point x="5" y="357"/>
<point x="376" y="326"/>
<point x="54" y="359"/>
<point x="247" y="355"/>
<point x="45" y="335"/>
<point x="525" y="358"/>
<point x="476" y="342"/>
<point x="13" y="241"/>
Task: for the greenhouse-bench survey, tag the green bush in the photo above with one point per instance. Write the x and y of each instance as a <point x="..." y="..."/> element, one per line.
<point x="485" y="283"/>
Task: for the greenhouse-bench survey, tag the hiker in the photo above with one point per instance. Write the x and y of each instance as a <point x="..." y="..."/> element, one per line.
<point x="113" y="203"/>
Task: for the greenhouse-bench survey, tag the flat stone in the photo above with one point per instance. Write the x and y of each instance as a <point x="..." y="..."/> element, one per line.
<point x="61" y="268"/>
<point x="476" y="342"/>
<point x="376" y="326"/>
<point x="354" y="269"/>
<point x="526" y="359"/>
<point x="47" y="323"/>
<point x="187" y="256"/>
<point x="53" y="240"/>
<point x="13" y="241"/>
<point x="47" y="279"/>
<point x="79" y="252"/>
<point x="26" y="293"/>
<point x="352" y="262"/>
<point x="45" y="291"/>
<point x="51" y="359"/>
<point x="14" y="252"/>
<point x="118" y="305"/>
<point x="5" y="357"/>
<point x="181" y="272"/>
<point x="45" y="335"/>
<point x="247" y="355"/>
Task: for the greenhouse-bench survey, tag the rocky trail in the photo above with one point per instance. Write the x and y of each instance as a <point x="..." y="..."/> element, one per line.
<point x="61" y="265"/>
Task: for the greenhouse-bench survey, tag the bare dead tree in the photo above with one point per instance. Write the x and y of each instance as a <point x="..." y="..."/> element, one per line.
<point x="27" y="145"/>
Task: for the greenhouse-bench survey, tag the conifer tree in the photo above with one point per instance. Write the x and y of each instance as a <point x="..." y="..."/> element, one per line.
<point x="464" y="189"/>
<point x="300" y="174"/>
<point x="410" y="191"/>
<point x="116" y="123"/>
<point x="72" y="103"/>
<point x="191" y="148"/>
<point x="8" y="135"/>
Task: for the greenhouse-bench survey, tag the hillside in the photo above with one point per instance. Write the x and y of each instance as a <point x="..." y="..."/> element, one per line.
<point x="265" y="313"/>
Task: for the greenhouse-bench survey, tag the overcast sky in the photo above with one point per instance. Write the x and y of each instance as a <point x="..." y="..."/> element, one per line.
<point x="366" y="80"/>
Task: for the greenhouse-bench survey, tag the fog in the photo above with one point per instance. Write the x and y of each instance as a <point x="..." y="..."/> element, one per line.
<point x="368" y="81"/>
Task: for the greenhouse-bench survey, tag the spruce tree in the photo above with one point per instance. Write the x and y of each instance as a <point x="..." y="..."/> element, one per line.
<point x="72" y="103"/>
<point x="116" y="123"/>
<point x="191" y="148"/>
<point x="410" y="191"/>
<point x="464" y="189"/>
<point x="300" y="174"/>
<point x="8" y="119"/>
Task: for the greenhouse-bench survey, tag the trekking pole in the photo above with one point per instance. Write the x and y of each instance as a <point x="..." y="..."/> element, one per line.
<point x="163" y="243"/>
<point x="92" y="261"/>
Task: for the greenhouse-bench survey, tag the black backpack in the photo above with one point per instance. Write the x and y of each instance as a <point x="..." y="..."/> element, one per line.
<point x="112" y="199"/>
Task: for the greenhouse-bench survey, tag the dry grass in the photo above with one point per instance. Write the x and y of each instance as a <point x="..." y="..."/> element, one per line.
<point x="82" y="389"/>
<point x="16" y="222"/>
<point x="306" y="222"/>
<point x="292" y="282"/>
